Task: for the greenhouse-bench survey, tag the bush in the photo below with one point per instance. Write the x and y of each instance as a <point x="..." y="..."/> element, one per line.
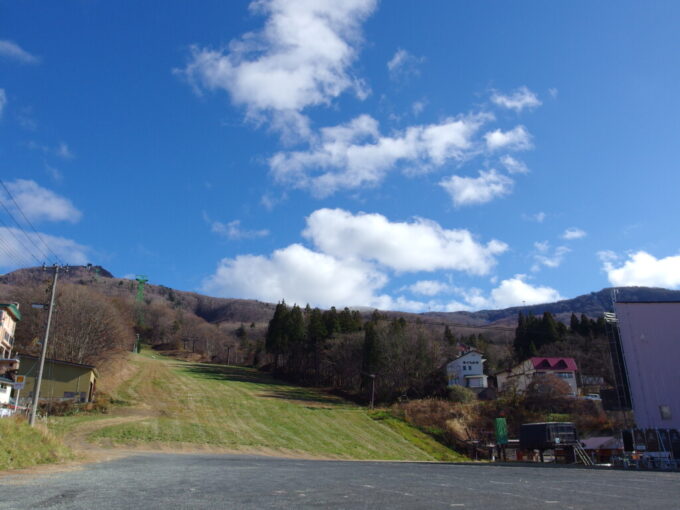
<point x="461" y="395"/>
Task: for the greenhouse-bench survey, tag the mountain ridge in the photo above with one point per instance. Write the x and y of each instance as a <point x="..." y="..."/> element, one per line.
<point x="221" y="309"/>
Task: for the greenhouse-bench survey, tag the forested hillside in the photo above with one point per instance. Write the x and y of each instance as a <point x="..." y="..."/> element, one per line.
<point x="98" y="315"/>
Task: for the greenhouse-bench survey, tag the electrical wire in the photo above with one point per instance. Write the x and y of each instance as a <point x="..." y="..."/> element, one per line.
<point x="40" y="238"/>
<point x="11" y="230"/>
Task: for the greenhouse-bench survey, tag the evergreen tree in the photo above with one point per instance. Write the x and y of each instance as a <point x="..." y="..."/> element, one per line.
<point x="371" y="349"/>
<point x="449" y="337"/>
<point x="574" y="323"/>
<point x="276" y="340"/>
<point x="331" y="321"/>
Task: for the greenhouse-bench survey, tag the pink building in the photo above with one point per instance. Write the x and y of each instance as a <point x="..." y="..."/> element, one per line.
<point x="650" y="340"/>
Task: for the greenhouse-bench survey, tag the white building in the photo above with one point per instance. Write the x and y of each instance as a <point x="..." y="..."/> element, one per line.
<point x="9" y="315"/>
<point x="467" y="370"/>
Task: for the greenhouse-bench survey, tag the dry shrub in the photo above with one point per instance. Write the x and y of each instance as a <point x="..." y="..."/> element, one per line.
<point x="453" y="423"/>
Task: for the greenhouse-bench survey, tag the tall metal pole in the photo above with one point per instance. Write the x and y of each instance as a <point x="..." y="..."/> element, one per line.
<point x="38" y="382"/>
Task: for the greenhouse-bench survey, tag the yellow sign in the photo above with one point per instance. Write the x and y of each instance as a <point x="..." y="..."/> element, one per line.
<point x="20" y="378"/>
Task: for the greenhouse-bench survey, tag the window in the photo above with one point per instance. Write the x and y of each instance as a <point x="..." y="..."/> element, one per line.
<point x="565" y="375"/>
<point x="665" y="412"/>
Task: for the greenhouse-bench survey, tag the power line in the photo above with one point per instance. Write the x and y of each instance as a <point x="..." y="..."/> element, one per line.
<point x="11" y="231"/>
<point x="57" y="259"/>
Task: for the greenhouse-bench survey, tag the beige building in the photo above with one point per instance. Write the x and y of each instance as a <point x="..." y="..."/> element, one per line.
<point x="9" y="316"/>
<point x="520" y="376"/>
<point x="62" y="380"/>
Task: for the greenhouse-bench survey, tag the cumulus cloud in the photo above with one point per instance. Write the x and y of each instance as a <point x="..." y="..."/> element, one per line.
<point x="3" y="101"/>
<point x="513" y="165"/>
<point x="40" y="204"/>
<point x="573" y="233"/>
<point x="351" y="261"/>
<point x="420" y="245"/>
<point x="234" y="231"/>
<point x="301" y="58"/>
<point x="17" y="249"/>
<point x="477" y="190"/>
<point x="356" y="154"/>
<point x="403" y="64"/>
<point x="517" y="139"/>
<point x="298" y="275"/>
<point x="13" y="51"/>
<point x="429" y="287"/>
<point x="642" y="269"/>
<point x="513" y="291"/>
<point x="518" y="100"/>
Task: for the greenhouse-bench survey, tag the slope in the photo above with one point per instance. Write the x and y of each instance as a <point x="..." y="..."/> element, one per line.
<point x="185" y="405"/>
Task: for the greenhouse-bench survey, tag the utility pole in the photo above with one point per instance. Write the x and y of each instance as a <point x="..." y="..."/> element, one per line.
<point x="372" y="376"/>
<point x="38" y="382"/>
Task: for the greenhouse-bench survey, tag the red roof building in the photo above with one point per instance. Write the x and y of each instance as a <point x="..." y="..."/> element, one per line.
<point x="520" y="376"/>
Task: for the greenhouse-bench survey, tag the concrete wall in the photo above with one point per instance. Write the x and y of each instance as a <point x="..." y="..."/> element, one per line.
<point x="650" y="338"/>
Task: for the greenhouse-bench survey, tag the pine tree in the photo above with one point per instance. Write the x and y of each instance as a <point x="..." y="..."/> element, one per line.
<point x="573" y="323"/>
<point x="371" y="349"/>
<point x="449" y="337"/>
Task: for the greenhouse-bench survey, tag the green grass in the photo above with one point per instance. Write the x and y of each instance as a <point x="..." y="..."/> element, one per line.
<point x="24" y="446"/>
<point x="242" y="409"/>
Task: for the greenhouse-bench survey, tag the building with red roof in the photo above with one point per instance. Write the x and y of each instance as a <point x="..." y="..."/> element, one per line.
<point x="520" y="376"/>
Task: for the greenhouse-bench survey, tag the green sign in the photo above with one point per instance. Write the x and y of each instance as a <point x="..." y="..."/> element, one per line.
<point x="501" y="431"/>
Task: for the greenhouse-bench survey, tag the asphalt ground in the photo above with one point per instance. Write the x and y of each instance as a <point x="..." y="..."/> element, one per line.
<point x="167" y="481"/>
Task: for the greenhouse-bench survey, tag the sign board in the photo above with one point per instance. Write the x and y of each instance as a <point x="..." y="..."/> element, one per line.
<point x="19" y="382"/>
<point x="501" y="426"/>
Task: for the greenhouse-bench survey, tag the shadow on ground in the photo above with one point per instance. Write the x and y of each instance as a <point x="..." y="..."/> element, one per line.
<point x="273" y="388"/>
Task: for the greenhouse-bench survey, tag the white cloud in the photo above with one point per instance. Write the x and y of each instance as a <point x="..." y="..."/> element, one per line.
<point x="403" y="64"/>
<point x="429" y="287"/>
<point x="11" y="50"/>
<point x="513" y="165"/>
<point x="642" y="269"/>
<point x="512" y="292"/>
<point x="233" y="230"/>
<point x="351" y="261"/>
<point x="421" y="245"/>
<point x="301" y="58"/>
<point x="63" y="151"/>
<point x="40" y="204"/>
<point x="355" y="154"/>
<point x="480" y="190"/>
<point x="573" y="233"/>
<point x="3" y="101"/>
<point x="17" y="249"/>
<point x="518" y="100"/>
<point x="298" y="275"/>
<point x="517" y="139"/>
<point x="546" y="257"/>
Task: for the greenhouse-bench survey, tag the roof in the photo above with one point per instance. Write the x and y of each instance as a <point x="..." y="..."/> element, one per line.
<point x="59" y="361"/>
<point x="13" y="309"/>
<point x="553" y="363"/>
<point x="5" y="380"/>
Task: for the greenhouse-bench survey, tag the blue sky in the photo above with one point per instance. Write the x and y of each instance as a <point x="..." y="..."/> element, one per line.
<point x="405" y="155"/>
